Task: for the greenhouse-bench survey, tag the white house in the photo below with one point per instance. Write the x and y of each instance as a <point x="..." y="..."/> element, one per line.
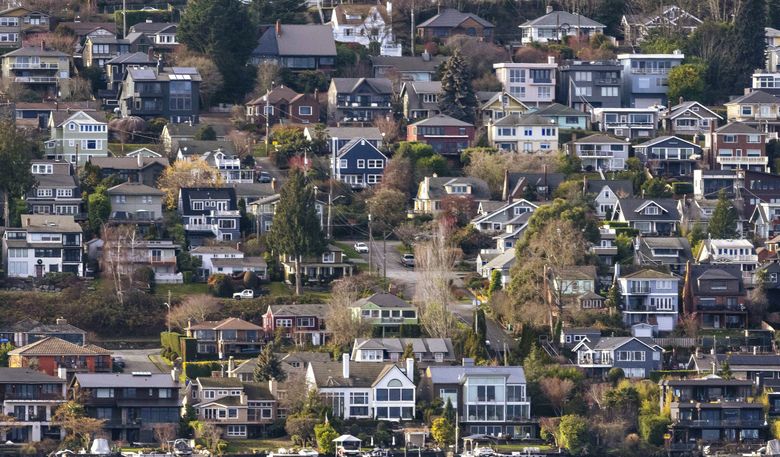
<point x="600" y="152"/>
<point x="530" y="83"/>
<point x="650" y="297"/>
<point x="496" y="220"/>
<point x="356" y="390"/>
<point x="741" y="252"/>
<point x="207" y="254"/>
<point x="527" y="133"/>
<point x="45" y="243"/>
<point x="606" y="194"/>
<point x="556" y="25"/>
<point x="363" y="24"/>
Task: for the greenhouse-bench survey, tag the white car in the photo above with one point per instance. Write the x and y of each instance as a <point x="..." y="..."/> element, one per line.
<point x="246" y="293"/>
<point x="361" y="247"/>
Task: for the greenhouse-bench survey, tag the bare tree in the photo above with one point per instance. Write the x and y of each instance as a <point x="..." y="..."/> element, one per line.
<point x="121" y="257"/>
<point x="434" y="260"/>
<point x="597" y="393"/>
<point x="164" y="434"/>
<point x="212" y="80"/>
<point x="211" y="435"/>
<point x="79" y="90"/>
<point x="195" y="308"/>
<point x="388" y="127"/>
<point x="343" y="324"/>
<point x="557" y="391"/>
<point x="268" y="74"/>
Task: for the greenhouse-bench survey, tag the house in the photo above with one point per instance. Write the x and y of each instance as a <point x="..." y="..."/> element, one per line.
<point x="363" y="24"/>
<point x="445" y="134"/>
<point x="530" y="83"/>
<point x="161" y="36"/>
<point x="293" y="363"/>
<point x="670" y="18"/>
<point x="359" y="164"/>
<point x="600" y="152"/>
<point x="573" y="287"/>
<point x="282" y="105"/>
<point x="332" y="264"/>
<point x="29" y="331"/>
<point x="606" y="248"/>
<point x="56" y="190"/>
<point x="168" y="92"/>
<point x="19" y="24"/>
<point x="564" y="117"/>
<point x="200" y="149"/>
<point x="557" y="25"/>
<point x="44" y="71"/>
<point x="650" y="297"/>
<point x="227" y="337"/>
<point x="488" y="400"/>
<point x="645" y="78"/>
<point x="499" y="105"/>
<point x="769" y="81"/>
<point x="207" y="254"/>
<point x="433" y="191"/>
<point x="133" y="405"/>
<point x="116" y="72"/>
<point x="757" y="109"/>
<point x="51" y="354"/>
<point x="302" y="324"/>
<point x="209" y="213"/>
<point x="84" y="30"/>
<point x="359" y="99"/>
<point x="126" y="255"/>
<point x="753" y="367"/>
<point x="761" y="186"/>
<point x="451" y="22"/>
<point x="627" y="123"/>
<point x="77" y="137"/>
<point x="136" y="203"/>
<point x="657" y="216"/>
<point x="263" y="210"/>
<point x="229" y="167"/>
<point x="606" y="194"/>
<point x="386" y="311"/>
<point x="689" y="118"/>
<point x="238" y="409"/>
<point x="765" y="220"/>
<point x="529" y="133"/>
<point x="497" y="219"/>
<point x="420" y="99"/>
<point x="669" y="156"/>
<point x="772" y="49"/>
<point x="36" y="114"/>
<point x="713" y="410"/>
<point x="32" y="398"/>
<point x="172" y="134"/>
<point x="297" y="47"/>
<point x="740" y="252"/>
<point x="502" y="261"/>
<point x="715" y="296"/>
<point x="673" y="253"/>
<point x="43" y="244"/>
<point x="376" y="391"/>
<point x="531" y="186"/>
<point x="585" y="85"/>
<point x="100" y="49"/>
<point x="571" y="336"/>
<point x="339" y="136"/>
<point x="407" y="68"/>
<point x="139" y="169"/>
<point x="429" y="350"/>
<point x="636" y="356"/>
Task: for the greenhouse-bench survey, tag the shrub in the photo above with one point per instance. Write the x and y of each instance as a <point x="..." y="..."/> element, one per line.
<point x="615" y="374"/>
<point x="652" y="428"/>
<point x="220" y="285"/>
<point x="250" y="280"/>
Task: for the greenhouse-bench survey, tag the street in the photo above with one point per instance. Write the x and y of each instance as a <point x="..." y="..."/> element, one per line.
<point x="138" y="360"/>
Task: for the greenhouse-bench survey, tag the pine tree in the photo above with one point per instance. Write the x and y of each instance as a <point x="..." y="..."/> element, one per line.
<point x="449" y="412"/>
<point x="296" y="231"/>
<point x="458" y="99"/>
<point x="723" y="223"/>
<point x="15" y="175"/>
<point x="268" y="366"/>
<point x="749" y="40"/>
<point x="773" y="18"/>
<point x="269" y="11"/>
<point x="613" y="298"/>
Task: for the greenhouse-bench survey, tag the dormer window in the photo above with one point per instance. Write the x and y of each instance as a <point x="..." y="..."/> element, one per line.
<point x="459" y="189"/>
<point x="651" y="210"/>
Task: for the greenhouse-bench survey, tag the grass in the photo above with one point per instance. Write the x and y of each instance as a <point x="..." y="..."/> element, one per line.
<point x="509" y="447"/>
<point x="348" y="249"/>
<point x="278" y="289"/>
<point x="180" y="290"/>
<point x="250" y="446"/>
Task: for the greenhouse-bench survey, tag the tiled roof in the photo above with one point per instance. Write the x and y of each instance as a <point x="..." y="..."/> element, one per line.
<point x="52" y="346"/>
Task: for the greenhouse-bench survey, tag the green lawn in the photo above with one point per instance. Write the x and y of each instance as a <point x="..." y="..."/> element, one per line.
<point x="278" y="289"/>
<point x="250" y="446"/>
<point x="348" y="249"/>
<point x="180" y="290"/>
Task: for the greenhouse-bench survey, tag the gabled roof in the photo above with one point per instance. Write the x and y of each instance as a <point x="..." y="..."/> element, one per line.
<point x="663" y="138"/>
<point x="274" y="96"/>
<point x="27" y="376"/>
<point x="81" y="29"/>
<point x="611" y="343"/>
<point x="200" y="147"/>
<point x="342" y="12"/>
<point x="630" y="208"/>
<point x="398" y="345"/>
<point x="34" y="51"/>
<point x="648" y="274"/>
<point x="28" y="325"/>
<point x="358" y="143"/>
<point x="297" y="40"/>
<point x="498" y="96"/>
<point x="442" y="120"/>
<point x="562" y="18"/>
<point x="59" y="118"/>
<point x="330" y="374"/>
<point x="678" y="110"/>
<point x="451" y="18"/>
<point x="133" y="188"/>
<point x="459" y="374"/>
<point x="757" y="96"/>
<point x="502" y="261"/>
<point x="128" y="163"/>
<point x="515" y="119"/>
<point x="52" y="346"/>
<point x="317" y="310"/>
<point x="186" y="130"/>
<point x="737" y="127"/>
<point x="382" y="300"/>
<point x="153" y="27"/>
<point x="208" y="382"/>
<point x="598" y="138"/>
<point x="582" y="272"/>
<point x="436" y="186"/>
<point x="350" y="85"/>
<point x="556" y="109"/>
<point x="423" y="87"/>
<point x="231" y="323"/>
<point x="617" y="186"/>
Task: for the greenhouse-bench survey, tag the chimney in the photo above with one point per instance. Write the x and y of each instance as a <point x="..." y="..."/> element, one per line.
<point x="231" y="364"/>
<point x="755" y="350"/>
<point x="549" y="9"/>
<point x="175" y="374"/>
<point x="551" y="60"/>
<point x="345" y="366"/>
<point x="159" y="65"/>
<point x="410" y="368"/>
<point x="278" y="28"/>
<point x="62" y="373"/>
<point x="140" y="161"/>
<point x="61" y="321"/>
<point x="426" y="56"/>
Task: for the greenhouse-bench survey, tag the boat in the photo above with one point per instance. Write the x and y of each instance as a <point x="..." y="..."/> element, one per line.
<point x="303" y="452"/>
<point x="181" y="448"/>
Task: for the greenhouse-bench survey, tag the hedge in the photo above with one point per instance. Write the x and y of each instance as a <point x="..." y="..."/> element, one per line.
<point x="682" y="188"/>
<point x="658" y="375"/>
<point x="137" y="16"/>
<point x="170" y="341"/>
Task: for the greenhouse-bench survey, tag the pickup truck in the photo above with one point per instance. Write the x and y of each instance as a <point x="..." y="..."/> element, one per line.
<point x="246" y="293"/>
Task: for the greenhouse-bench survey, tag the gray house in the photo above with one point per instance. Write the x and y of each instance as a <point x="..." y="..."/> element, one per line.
<point x="584" y="85"/>
<point x="657" y="216"/>
<point x="670" y="252"/>
<point x="637" y="357"/>
<point x="421" y="99"/>
<point x="135" y="203"/>
<point x="168" y="92"/>
<point x="645" y="78"/>
<point x="140" y="169"/>
<point x="359" y="99"/>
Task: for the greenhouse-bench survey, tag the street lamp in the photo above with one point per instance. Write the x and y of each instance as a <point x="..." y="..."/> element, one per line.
<point x="168" y="305"/>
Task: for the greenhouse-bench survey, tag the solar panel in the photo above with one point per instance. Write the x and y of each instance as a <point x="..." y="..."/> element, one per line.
<point x="143" y="73"/>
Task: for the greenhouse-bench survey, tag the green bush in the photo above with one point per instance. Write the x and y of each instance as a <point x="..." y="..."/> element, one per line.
<point x="201" y="369"/>
<point x="220" y="285"/>
<point x="410" y="330"/>
<point x="615" y="374"/>
<point x="187" y="276"/>
<point x="653" y="428"/>
<point x="189" y="349"/>
<point x="170" y="342"/>
<point x="682" y="188"/>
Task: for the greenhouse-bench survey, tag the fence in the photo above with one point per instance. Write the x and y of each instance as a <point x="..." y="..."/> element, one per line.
<point x="676" y="342"/>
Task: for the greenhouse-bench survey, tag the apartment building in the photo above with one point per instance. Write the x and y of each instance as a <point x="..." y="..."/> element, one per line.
<point x="44" y="71"/>
<point x="650" y="297"/>
<point x="645" y="78"/>
<point x="31" y="398"/>
<point x="531" y="83"/>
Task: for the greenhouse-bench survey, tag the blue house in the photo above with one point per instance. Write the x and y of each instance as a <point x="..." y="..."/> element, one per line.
<point x="669" y="156"/>
<point x="645" y="78"/>
<point x="209" y="213"/>
<point x="359" y="163"/>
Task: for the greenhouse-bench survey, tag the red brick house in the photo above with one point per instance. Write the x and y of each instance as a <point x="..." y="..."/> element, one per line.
<point x="737" y="146"/>
<point x="51" y="353"/>
<point x="447" y="135"/>
<point x="300" y="323"/>
<point x="285" y="106"/>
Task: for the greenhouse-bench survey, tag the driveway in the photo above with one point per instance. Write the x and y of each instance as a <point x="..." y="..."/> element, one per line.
<point x="138" y="360"/>
<point x="405" y="277"/>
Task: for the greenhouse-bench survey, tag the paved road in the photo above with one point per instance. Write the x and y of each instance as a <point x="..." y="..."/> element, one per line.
<point x="138" y="360"/>
<point x="275" y="172"/>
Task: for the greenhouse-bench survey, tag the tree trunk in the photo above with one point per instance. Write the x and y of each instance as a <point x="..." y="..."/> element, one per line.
<point x="297" y="275"/>
<point x="6" y="208"/>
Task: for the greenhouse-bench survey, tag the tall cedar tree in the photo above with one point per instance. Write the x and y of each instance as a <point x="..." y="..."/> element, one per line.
<point x="723" y="223"/>
<point x="458" y="99"/>
<point x="296" y="231"/>
<point x="268" y="366"/>
<point x="749" y="40"/>
<point x="773" y="19"/>
<point x="15" y="175"/>
<point x="265" y="12"/>
<point x="222" y="30"/>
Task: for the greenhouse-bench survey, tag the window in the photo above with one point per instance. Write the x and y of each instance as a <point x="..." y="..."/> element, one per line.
<point x="548" y="131"/>
<point x="304" y="322"/>
<point x="729" y="138"/>
<point x="343" y="163"/>
<point x="754" y="138"/>
<point x="361" y="163"/>
<point x="104" y="393"/>
<point x="746" y="110"/>
<point x="287" y="323"/>
<point x="229" y="224"/>
<point x="516" y="75"/>
<point x="544" y="92"/>
<point x="583" y="91"/>
<point x="120" y="199"/>
<point x="305" y="111"/>
<point x="609" y="91"/>
<point x="42" y="169"/>
<point x="506" y="131"/>
<point x="651" y="210"/>
<point x="44" y="193"/>
<point x="236" y="430"/>
<point x="583" y="76"/>
<point x="430" y="98"/>
<point x="375" y="163"/>
<point x="64" y="192"/>
<point x="197" y="206"/>
<point x="329" y="257"/>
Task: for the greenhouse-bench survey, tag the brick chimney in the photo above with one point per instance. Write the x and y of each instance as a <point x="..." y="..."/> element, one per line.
<point x="278" y="28"/>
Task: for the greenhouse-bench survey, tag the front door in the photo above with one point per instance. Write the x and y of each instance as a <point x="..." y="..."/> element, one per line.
<point x="39" y="271"/>
<point x="715" y="321"/>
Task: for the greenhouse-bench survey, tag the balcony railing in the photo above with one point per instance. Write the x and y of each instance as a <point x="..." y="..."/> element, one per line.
<point x="607" y="81"/>
<point x="584" y="361"/>
<point x="604" y="250"/>
<point x="650" y="71"/>
<point x="736" y="160"/>
<point x="639" y="290"/>
<point x="720" y="307"/>
<point x="746" y="258"/>
<point x="35" y="66"/>
<point x="605" y="154"/>
<point x="35" y="79"/>
<point x="721" y="423"/>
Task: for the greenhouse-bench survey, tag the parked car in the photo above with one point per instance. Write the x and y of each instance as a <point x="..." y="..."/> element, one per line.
<point x="246" y="293"/>
<point x="361" y="247"/>
<point x="407" y="260"/>
<point x="118" y="361"/>
<point x="264" y="177"/>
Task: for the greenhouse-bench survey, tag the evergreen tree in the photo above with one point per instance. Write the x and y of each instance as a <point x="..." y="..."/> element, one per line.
<point x="749" y="40"/>
<point x="296" y="232"/>
<point x="268" y="366"/>
<point x="98" y="209"/>
<point x="222" y="30"/>
<point x="449" y="412"/>
<point x="495" y="282"/>
<point x="613" y="298"/>
<point x="457" y="99"/>
<point x="15" y="175"/>
<point x="408" y="352"/>
<point x="264" y="12"/>
<point x="773" y="18"/>
<point x="723" y="223"/>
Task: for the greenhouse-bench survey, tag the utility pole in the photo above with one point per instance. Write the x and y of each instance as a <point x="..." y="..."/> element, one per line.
<point x="411" y="37"/>
<point x="124" y="20"/>
<point x="267" y="118"/>
<point x="330" y="209"/>
<point x="384" y="255"/>
<point x="370" y="244"/>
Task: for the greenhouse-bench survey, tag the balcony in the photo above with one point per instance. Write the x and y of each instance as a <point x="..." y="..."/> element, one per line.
<point x="35" y="66"/>
<point x="746" y="258"/>
<point x="639" y="290"/>
<point x="642" y="308"/>
<point x="650" y="71"/>
<point x="742" y="160"/>
<point x="541" y="81"/>
<point x="704" y="423"/>
<point x="604" y="154"/>
<point x="588" y="361"/>
<point x="607" y="81"/>
<point x="201" y="228"/>
<point x="604" y="250"/>
<point x="36" y="79"/>
<point x="629" y="125"/>
<point x="734" y="307"/>
<point x="168" y="278"/>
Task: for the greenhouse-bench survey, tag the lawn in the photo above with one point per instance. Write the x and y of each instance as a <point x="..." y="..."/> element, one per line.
<point x="250" y="446"/>
<point x="280" y="289"/>
<point x="180" y="290"/>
